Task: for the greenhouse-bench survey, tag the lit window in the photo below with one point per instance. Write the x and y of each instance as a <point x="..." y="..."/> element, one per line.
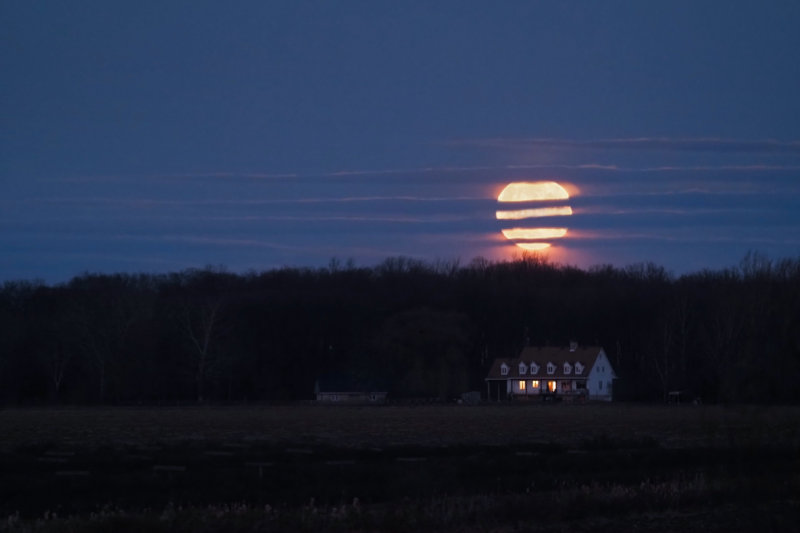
<point x="535" y="384"/>
<point x="551" y="386"/>
<point x="522" y="384"/>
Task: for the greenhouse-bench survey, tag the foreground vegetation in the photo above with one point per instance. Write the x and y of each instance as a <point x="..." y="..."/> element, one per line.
<point x="431" y="468"/>
<point x="414" y="329"/>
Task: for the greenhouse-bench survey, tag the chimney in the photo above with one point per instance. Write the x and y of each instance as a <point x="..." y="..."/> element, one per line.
<point x="573" y="345"/>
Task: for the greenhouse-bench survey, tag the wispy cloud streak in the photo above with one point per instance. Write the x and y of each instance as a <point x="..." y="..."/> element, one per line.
<point x="536" y="212"/>
<point x="435" y="172"/>
<point x="711" y="144"/>
<point x="150" y="202"/>
<point x="681" y="235"/>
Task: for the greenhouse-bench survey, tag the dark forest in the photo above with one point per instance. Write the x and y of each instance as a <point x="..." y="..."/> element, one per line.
<point x="421" y="330"/>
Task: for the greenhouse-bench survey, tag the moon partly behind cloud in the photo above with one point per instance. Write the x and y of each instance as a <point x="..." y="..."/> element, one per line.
<point x="533" y="192"/>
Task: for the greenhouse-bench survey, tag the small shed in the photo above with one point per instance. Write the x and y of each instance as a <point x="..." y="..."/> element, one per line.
<point x="347" y="389"/>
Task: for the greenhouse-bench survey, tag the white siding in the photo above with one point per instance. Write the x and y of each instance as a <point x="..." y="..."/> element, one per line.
<point x="600" y="378"/>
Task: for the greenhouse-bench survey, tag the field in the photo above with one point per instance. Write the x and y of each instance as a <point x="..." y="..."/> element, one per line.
<point x="395" y="468"/>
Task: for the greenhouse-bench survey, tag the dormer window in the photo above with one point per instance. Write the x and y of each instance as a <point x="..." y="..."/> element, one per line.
<point x="551" y="368"/>
<point x="567" y="368"/>
<point x="534" y="369"/>
<point x="578" y="368"/>
<point x="523" y="369"/>
<point x="503" y="369"/>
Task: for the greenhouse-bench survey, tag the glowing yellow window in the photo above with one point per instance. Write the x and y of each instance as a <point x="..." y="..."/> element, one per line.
<point x="551" y="386"/>
<point x="535" y="384"/>
<point x="522" y="384"/>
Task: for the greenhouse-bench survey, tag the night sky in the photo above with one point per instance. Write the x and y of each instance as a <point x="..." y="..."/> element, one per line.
<point x="156" y="136"/>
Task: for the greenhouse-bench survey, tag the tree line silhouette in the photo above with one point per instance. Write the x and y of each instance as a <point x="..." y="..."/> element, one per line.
<point x="419" y="329"/>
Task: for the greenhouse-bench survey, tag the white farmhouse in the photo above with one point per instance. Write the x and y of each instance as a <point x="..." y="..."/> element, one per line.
<point x="570" y="373"/>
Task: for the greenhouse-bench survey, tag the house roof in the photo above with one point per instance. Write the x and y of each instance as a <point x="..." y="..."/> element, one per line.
<point x="541" y="355"/>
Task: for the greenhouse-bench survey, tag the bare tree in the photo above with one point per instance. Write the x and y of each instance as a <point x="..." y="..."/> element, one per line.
<point x="669" y="358"/>
<point x="201" y="324"/>
<point x="102" y="339"/>
<point x="57" y="363"/>
<point x="104" y="309"/>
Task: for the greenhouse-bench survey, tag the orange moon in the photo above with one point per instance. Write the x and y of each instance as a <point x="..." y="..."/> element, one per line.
<point x="532" y="193"/>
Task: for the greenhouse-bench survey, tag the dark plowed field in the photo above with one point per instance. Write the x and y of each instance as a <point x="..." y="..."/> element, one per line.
<point x="427" y="471"/>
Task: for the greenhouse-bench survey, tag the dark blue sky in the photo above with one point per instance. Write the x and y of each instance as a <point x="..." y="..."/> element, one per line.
<point x="155" y="136"/>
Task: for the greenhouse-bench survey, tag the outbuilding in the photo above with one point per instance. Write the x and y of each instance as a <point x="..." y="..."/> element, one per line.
<point x="345" y="389"/>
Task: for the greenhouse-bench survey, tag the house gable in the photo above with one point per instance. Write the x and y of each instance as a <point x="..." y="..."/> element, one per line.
<point x="600" y="378"/>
